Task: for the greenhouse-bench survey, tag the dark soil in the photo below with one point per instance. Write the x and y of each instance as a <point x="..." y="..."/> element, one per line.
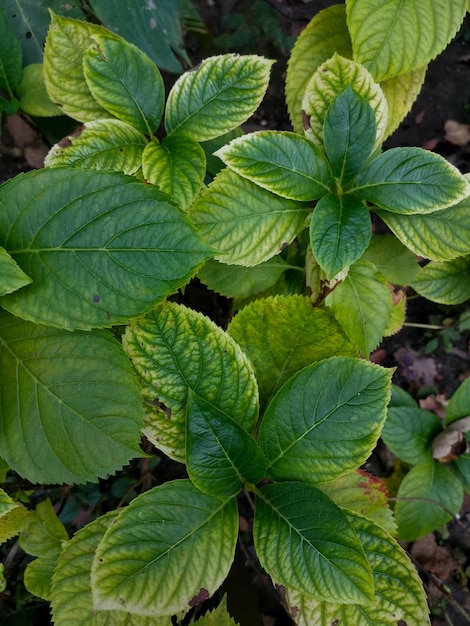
<point x="443" y="559"/>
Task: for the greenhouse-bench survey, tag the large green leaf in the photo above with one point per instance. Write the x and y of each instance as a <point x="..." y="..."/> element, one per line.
<point x="244" y="223"/>
<point x="411" y="180"/>
<point x="399" y="597"/>
<point x="220" y="454"/>
<point x="125" y="82"/>
<point x="10" y="56"/>
<point x="409" y="432"/>
<point x="349" y="133"/>
<point x="70" y="409"/>
<point x="30" y="21"/>
<point x="66" y="43"/>
<point x="169" y="349"/>
<point x="177" y="166"/>
<point x="71" y="596"/>
<point x="282" y="162"/>
<point x="12" y="277"/>
<point x="216" y="97"/>
<point x="283" y="334"/>
<point x="393" y="37"/>
<point x="236" y="281"/>
<point x="154" y="28"/>
<point x="326" y="34"/>
<point x="305" y="543"/>
<point x="44" y="533"/>
<point x="439" y="236"/>
<point x="340" y="231"/>
<point x="429" y="496"/>
<point x="328" y="82"/>
<point x="363" y="493"/>
<point x="362" y="304"/>
<point x="169" y="549"/>
<point x="100" y="248"/>
<point x="392" y="259"/>
<point x="446" y="282"/>
<point x="101" y="145"/>
<point x="325" y="421"/>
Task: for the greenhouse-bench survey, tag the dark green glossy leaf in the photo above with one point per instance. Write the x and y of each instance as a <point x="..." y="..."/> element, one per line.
<point x="315" y="431"/>
<point x="220" y="454"/>
<point x="340" y="231"/>
<point x="411" y="180"/>
<point x="349" y="133"/>
<point x="100" y="248"/>
<point x="305" y="543"/>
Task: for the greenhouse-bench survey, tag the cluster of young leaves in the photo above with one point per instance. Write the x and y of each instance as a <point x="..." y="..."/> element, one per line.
<point x="388" y="55"/>
<point x="432" y="491"/>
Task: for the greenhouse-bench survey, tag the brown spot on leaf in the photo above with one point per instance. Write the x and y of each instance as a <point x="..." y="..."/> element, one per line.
<point x="200" y="597"/>
<point x="305" y="120"/>
<point x="67" y="141"/>
<point x="159" y="405"/>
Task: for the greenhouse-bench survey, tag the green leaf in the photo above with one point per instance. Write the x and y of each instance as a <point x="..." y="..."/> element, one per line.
<point x="305" y="543"/>
<point x="284" y="334"/>
<point x="411" y="180"/>
<point x="71" y="596"/>
<point x="446" y="282"/>
<point x="169" y="349"/>
<point x="168" y="570"/>
<point x="220" y="454"/>
<point x="459" y="404"/>
<point x="398" y="598"/>
<point x="34" y="98"/>
<point x="363" y="493"/>
<point x="44" y="533"/>
<point x="102" y="145"/>
<point x="12" y="277"/>
<point x="429" y="496"/>
<point x="13" y="517"/>
<point x="236" y="281"/>
<point x="401" y="398"/>
<point x="390" y="38"/>
<point x="409" y="432"/>
<point x="218" y="617"/>
<point x="401" y="92"/>
<point x="177" y="166"/>
<point x="246" y="224"/>
<point x="439" y="236"/>
<point x="70" y="409"/>
<point x="216" y="97"/>
<point x="30" y="21"/>
<point x="155" y="29"/>
<point x="391" y="259"/>
<point x="349" y="133"/>
<point x="282" y="162"/>
<point x="11" y="58"/>
<point x="100" y="248"/>
<point x="38" y="576"/>
<point x="326" y="34"/>
<point x="328" y="82"/>
<point x="315" y="432"/>
<point x="125" y="82"/>
<point x="340" y="231"/>
<point x="362" y="304"/>
<point x="63" y="71"/>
